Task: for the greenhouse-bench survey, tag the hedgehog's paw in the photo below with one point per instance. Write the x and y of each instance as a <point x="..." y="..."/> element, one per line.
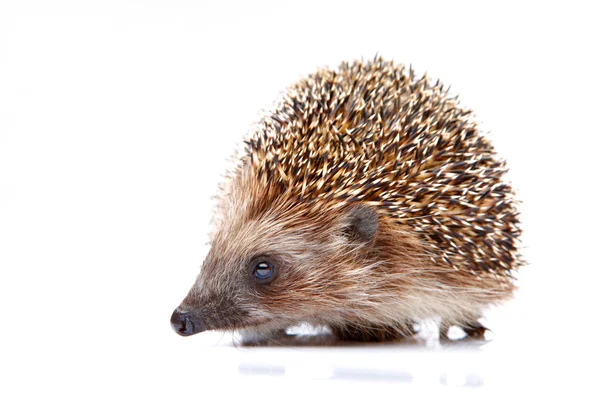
<point x="472" y="330"/>
<point x="252" y="337"/>
<point x="373" y="333"/>
<point x="475" y="331"/>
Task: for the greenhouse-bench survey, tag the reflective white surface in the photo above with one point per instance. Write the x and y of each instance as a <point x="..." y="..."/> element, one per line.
<point x="116" y="118"/>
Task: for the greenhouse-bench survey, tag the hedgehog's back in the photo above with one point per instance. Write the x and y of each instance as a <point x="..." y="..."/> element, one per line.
<point x="372" y="132"/>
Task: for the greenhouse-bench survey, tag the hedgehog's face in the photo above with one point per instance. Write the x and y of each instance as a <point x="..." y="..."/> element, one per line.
<point x="266" y="274"/>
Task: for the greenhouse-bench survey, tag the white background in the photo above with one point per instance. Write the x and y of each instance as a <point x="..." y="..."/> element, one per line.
<point x="116" y="118"/>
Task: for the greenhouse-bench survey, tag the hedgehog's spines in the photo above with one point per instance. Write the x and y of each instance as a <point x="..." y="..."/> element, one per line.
<point x="374" y="133"/>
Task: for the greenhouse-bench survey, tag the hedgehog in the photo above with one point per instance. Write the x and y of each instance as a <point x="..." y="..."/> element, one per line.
<point x="368" y="200"/>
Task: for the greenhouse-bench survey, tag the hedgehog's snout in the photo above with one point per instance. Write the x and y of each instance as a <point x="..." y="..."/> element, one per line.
<point x="184" y="323"/>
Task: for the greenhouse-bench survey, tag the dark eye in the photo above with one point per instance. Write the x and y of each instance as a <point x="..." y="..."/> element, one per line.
<point x="263" y="270"/>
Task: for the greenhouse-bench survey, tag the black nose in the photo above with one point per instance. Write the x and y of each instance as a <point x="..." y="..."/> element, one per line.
<point x="182" y="323"/>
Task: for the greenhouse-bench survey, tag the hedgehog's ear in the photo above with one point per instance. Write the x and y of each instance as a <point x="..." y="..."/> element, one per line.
<point x="360" y="224"/>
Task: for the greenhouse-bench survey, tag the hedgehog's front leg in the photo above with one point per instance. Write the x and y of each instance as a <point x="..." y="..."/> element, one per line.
<point x="373" y="333"/>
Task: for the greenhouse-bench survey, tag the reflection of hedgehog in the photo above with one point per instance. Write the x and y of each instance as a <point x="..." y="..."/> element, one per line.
<point x="366" y="201"/>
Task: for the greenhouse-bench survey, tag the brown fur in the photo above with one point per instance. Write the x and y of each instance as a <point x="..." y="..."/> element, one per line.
<point x="366" y="135"/>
